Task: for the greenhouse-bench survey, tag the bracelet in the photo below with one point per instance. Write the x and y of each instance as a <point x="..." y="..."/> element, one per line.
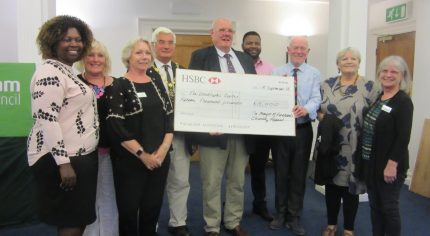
<point x="139" y="152"/>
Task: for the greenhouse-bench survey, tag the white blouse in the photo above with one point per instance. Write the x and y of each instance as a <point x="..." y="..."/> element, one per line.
<point x="65" y="115"/>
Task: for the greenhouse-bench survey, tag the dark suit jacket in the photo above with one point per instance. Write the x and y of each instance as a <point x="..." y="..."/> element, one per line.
<point x="391" y="138"/>
<point x="207" y="59"/>
<point x="174" y="65"/>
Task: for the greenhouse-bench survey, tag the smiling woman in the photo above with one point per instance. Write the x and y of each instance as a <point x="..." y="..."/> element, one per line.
<point x="140" y="120"/>
<point x="61" y="101"/>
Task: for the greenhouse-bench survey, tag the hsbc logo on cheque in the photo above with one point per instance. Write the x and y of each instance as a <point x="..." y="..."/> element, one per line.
<point x="200" y="79"/>
<point x="214" y="80"/>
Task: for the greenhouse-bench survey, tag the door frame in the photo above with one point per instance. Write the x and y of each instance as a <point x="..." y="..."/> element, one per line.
<point x="372" y="41"/>
<point x="191" y="27"/>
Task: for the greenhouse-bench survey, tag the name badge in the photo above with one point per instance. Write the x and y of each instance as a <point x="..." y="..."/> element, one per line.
<point x="141" y="95"/>
<point x="386" y="108"/>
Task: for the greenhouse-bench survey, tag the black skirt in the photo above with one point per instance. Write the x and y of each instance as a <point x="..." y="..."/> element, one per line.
<point x="75" y="208"/>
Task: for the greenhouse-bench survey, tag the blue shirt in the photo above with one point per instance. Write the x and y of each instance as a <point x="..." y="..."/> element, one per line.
<point x="308" y="88"/>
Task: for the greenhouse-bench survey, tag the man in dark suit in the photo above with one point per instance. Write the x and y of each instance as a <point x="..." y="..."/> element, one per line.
<point x="222" y="153"/>
<point x="177" y="185"/>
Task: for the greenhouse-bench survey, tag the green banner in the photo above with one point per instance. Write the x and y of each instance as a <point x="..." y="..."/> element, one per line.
<point x="15" y="102"/>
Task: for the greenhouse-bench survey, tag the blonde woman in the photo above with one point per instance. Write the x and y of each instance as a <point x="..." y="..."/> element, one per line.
<point x="140" y="120"/>
<point x="347" y="97"/>
<point x="95" y="67"/>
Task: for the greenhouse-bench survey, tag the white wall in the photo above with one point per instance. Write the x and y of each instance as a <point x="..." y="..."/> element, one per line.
<point x="8" y="25"/>
<point x="114" y="22"/>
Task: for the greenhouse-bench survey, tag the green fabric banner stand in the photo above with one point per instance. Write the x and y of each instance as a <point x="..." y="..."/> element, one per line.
<point x="16" y="184"/>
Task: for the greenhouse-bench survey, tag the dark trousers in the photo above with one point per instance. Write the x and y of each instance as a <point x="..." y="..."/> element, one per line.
<point x="139" y="195"/>
<point x="257" y="163"/>
<point x="384" y="207"/>
<point x="291" y="165"/>
<point x="334" y="195"/>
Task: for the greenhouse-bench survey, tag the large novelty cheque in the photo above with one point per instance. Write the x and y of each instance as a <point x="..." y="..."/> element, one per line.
<point x="234" y="103"/>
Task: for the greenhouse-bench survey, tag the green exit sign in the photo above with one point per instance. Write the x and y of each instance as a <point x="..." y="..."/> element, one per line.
<point x="396" y="13"/>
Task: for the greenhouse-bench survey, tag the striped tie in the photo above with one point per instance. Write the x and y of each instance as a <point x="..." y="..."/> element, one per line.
<point x="295" y="84"/>
<point x="229" y="63"/>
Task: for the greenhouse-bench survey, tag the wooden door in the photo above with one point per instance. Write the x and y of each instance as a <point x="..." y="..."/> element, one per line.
<point x="400" y="44"/>
<point x="186" y="44"/>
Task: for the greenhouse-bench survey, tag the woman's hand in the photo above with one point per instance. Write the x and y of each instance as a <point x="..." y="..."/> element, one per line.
<point x="149" y="160"/>
<point x="68" y="176"/>
<point x="161" y="152"/>
<point x="390" y="172"/>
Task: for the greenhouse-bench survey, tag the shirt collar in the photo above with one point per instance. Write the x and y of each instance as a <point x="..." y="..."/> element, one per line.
<point x="221" y="53"/>
<point x="301" y="67"/>
<point x="160" y="64"/>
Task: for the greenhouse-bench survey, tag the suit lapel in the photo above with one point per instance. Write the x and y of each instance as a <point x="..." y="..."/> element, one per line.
<point x="213" y="60"/>
<point x="242" y="62"/>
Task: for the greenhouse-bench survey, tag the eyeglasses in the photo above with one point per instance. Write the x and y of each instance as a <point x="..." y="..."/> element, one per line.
<point x="162" y="42"/>
<point x="69" y="40"/>
<point x="299" y="49"/>
<point x="226" y="30"/>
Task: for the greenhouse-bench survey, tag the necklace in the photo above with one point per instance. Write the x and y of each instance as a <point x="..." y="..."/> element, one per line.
<point x="350" y="88"/>
<point x="98" y="90"/>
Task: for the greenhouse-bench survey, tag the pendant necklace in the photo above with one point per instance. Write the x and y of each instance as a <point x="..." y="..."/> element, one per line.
<point x="345" y="92"/>
<point x="98" y="90"/>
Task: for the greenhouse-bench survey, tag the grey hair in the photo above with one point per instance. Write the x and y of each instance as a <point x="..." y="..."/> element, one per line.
<point x="400" y="64"/>
<point x="352" y="50"/>
<point x="297" y="37"/>
<point x="215" y="22"/>
<point x="165" y="30"/>
<point x="128" y="48"/>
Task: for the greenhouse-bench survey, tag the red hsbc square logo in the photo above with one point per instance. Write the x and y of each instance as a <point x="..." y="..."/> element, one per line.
<point x="214" y="80"/>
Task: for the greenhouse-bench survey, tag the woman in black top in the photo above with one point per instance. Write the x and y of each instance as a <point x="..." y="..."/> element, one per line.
<point x="385" y="155"/>
<point x="140" y="120"/>
<point x="95" y="67"/>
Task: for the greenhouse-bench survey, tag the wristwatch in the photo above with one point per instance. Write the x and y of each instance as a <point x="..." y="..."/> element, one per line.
<point x="139" y="152"/>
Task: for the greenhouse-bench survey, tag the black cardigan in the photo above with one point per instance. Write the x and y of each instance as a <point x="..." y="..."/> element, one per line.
<point x="391" y="139"/>
<point x="327" y="149"/>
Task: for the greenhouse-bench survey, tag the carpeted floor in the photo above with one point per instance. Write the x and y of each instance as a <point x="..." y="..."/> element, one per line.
<point x="415" y="212"/>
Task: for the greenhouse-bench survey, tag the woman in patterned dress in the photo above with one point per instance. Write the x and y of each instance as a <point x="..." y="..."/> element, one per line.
<point x="346" y="96"/>
<point x="63" y="141"/>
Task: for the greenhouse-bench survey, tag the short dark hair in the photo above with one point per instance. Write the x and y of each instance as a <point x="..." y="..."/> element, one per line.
<point x="250" y="33"/>
<point x="54" y="30"/>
